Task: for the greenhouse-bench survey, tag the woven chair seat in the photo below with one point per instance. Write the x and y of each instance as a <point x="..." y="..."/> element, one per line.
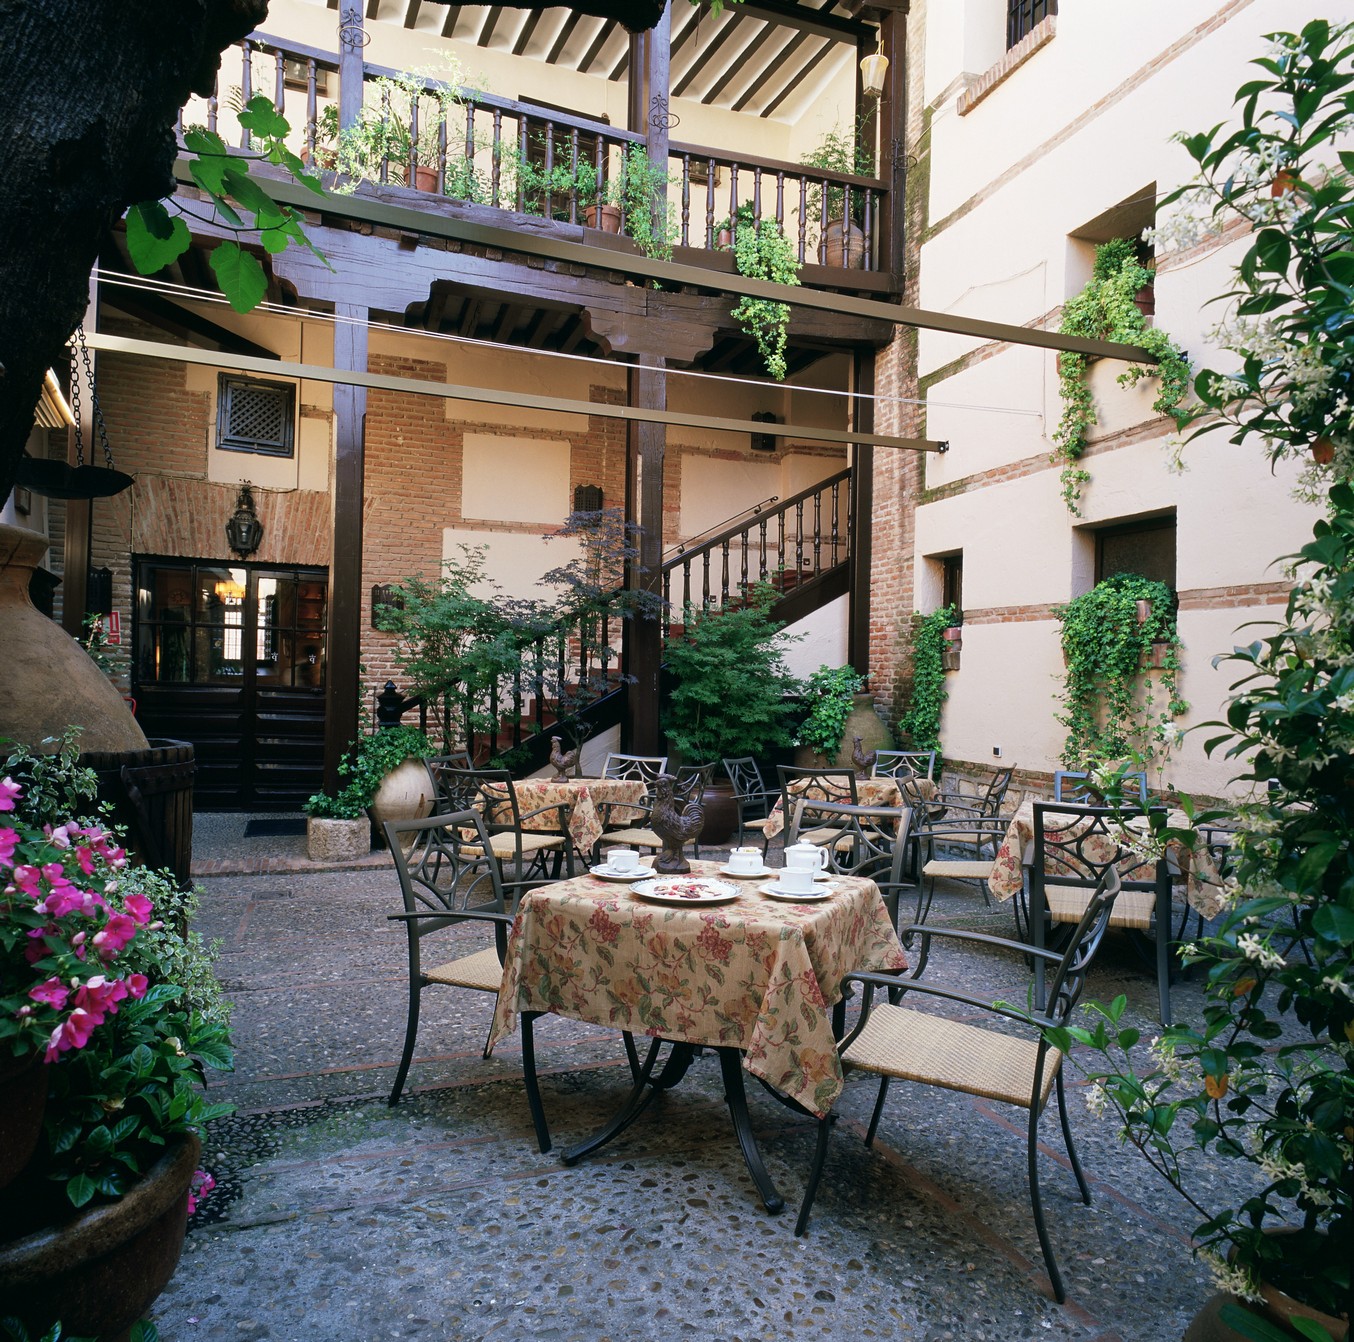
<point x="915" y="1046"/>
<point x="822" y="837"/>
<point x="636" y="838"/>
<point x="959" y="871"/>
<point x="481" y="970"/>
<point x="1133" y="908"/>
<point x="760" y="822"/>
<point x="505" y="845"/>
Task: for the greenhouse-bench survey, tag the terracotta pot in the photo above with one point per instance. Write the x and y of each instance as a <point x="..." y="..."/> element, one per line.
<point x="842" y="246"/>
<point x="1278" y="1309"/>
<point x="425" y="179"/>
<point x="99" y="1271"/>
<point x="406" y="793"/>
<point x="1157" y="654"/>
<point x="23" y="1100"/>
<point x="1146" y="299"/>
<point x="863" y="721"/>
<point x="724" y="239"/>
<point x="337" y="840"/>
<point x="1323" y="451"/>
<point x="605" y="217"/>
<point x="1142" y="610"/>
<point x="50" y="682"/>
<point x="721" y="814"/>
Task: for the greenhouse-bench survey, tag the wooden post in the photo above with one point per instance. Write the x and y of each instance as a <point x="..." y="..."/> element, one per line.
<point x="351" y="42"/>
<point x="343" y="682"/>
<point x="654" y="116"/>
<point x="79" y="512"/>
<point x="862" y="510"/>
<point x="893" y="145"/>
<point x="645" y="448"/>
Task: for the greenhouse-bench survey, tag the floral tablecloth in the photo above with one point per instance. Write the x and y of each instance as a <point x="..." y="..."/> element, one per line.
<point x="757" y="974"/>
<point x="1203" y="888"/>
<point x="869" y="792"/>
<point x="582" y="796"/>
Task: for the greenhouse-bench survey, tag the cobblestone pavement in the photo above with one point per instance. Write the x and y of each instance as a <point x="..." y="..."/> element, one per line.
<point x="338" y="1218"/>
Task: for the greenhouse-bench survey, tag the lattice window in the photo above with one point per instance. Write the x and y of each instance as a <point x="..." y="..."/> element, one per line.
<point x="256" y="416"/>
<point x="1022" y="15"/>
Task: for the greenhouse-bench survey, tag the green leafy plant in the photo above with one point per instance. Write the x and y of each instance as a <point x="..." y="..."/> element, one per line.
<point x="730" y="685"/>
<point x="55" y="784"/>
<point x="1105" y="310"/>
<point x="1265" y="1077"/>
<point x="762" y="252"/>
<point x="364" y="767"/>
<point x="919" y="726"/>
<point x="845" y="151"/>
<point x="829" y="692"/>
<point x="156" y="238"/>
<point x="1112" y="706"/>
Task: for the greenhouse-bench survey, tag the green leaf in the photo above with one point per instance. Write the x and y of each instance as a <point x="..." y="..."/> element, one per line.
<point x="154" y="239"/>
<point x="240" y="276"/>
<point x="80" y="1189"/>
<point x="1334" y="923"/>
<point x="262" y="118"/>
<point x="1242" y="1321"/>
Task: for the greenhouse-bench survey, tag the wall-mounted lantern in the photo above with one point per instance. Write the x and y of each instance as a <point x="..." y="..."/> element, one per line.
<point x="764" y="442"/>
<point x="244" y="531"/>
<point x="873" y="68"/>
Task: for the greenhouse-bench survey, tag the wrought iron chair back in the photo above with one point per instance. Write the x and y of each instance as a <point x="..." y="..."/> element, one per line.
<point x="439" y="876"/>
<point x="985" y="800"/>
<point x="644" y="767"/>
<point x="751" y="795"/>
<point x="1069" y="785"/>
<point x="902" y="764"/>
<point x="872" y="842"/>
<point x="456" y="759"/>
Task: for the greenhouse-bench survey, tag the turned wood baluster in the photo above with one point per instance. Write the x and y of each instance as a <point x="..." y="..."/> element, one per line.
<point x="548" y="203"/>
<point x="822" y="222"/>
<point x="246" y="90"/>
<point x="496" y="159"/>
<point x="733" y="198"/>
<point x="817" y="532"/>
<point x="213" y="107"/>
<point x="757" y="195"/>
<point x="868" y="225"/>
<point x="686" y="200"/>
<point x="686" y="583"/>
<point x="279" y="84"/>
<point x="710" y="205"/>
<point x="761" y="551"/>
<point x="573" y="172"/>
<point x="538" y="648"/>
<point x="780" y="197"/>
<point x="803" y="217"/>
<point x="705" y="578"/>
<point x="599" y="157"/>
<point x="724" y="573"/>
<point x="410" y="177"/>
<point x="312" y="111"/>
<point x="743" y="580"/>
<point x="836" y="515"/>
<point x="799" y="535"/>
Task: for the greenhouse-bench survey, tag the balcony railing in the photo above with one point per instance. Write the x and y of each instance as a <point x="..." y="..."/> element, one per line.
<point x="477" y="150"/>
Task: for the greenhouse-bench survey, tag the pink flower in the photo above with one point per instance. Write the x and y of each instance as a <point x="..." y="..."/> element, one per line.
<point x="119" y="930"/>
<point x="139" y="907"/>
<point x="9" y="789"/>
<point x="53" y="992"/>
<point x="136" y="985"/>
<point x="9" y="841"/>
<point x="73" y="1032"/>
<point x="202" y="1184"/>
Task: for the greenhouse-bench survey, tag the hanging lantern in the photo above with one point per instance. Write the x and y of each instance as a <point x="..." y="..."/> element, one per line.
<point x="244" y="531"/>
<point x="873" y="68"/>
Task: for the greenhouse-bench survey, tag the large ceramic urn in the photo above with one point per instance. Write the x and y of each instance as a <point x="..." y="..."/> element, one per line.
<point x="50" y="682"/>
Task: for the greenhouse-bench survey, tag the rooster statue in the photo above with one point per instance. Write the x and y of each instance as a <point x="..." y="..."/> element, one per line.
<point x="677" y="825"/>
<point x="562" y="760"/>
<point x="863" y="759"/>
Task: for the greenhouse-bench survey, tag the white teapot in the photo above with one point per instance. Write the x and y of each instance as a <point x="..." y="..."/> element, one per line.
<point x="805" y="857"/>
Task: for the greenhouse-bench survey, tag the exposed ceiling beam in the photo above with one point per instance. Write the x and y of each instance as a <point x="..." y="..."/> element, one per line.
<point x="507" y="319"/>
<point x="595" y="47"/>
<point x="449" y="23"/>
<point x="411" y="14"/>
<point x="525" y="33"/>
<point x="773" y="68"/>
<point x="373" y="8"/>
<point x="706" y="56"/>
<point x="540" y="323"/>
<point x="470" y="317"/>
<point x="688" y="29"/>
<point x="562" y="40"/>
<point x="622" y="65"/>
<point x="738" y="67"/>
<point x="792" y="15"/>
<point x="576" y="331"/>
<point x="490" y="23"/>
<point x="815" y="60"/>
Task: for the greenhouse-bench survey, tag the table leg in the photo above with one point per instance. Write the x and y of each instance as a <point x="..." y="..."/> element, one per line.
<point x="731" y="1065"/>
<point x="644" y="1089"/>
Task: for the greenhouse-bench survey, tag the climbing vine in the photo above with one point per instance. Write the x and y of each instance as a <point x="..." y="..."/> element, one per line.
<point x="829" y="692"/>
<point x="919" y="726"/>
<point x="762" y="252"/>
<point x="1113" y="705"/>
<point x="1105" y="310"/>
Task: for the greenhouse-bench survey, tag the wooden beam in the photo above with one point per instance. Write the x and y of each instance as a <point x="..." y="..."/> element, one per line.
<point x="470" y="317"/>
<point x="646" y="447"/>
<point x="795" y="80"/>
<point x="156" y="310"/>
<point x="490" y="23"/>
<point x="373" y="8"/>
<point x="449" y="23"/>
<point x="711" y="51"/>
<point x="449" y="391"/>
<point x="507" y="319"/>
<point x="562" y="39"/>
<point x="596" y="45"/>
<point x="739" y="66"/>
<point x="772" y="69"/>
<point x="411" y="13"/>
<point x="540" y="324"/>
<point x="893" y="145"/>
<point x="343" y="681"/>
<point x="524" y="34"/>
<point x="691" y="26"/>
<point x="791" y="15"/>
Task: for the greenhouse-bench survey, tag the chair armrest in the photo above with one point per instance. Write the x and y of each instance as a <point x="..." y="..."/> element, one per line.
<point x="897" y="985"/>
<point x="926" y="932"/>
<point x="482" y="915"/>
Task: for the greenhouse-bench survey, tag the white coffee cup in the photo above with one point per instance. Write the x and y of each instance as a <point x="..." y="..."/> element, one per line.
<point x="745" y="859"/>
<point x="621" y="860"/>
<point x="805" y="857"/>
<point x="799" y="880"/>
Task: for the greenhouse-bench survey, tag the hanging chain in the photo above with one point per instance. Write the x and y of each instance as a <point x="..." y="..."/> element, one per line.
<point x="75" y="411"/>
<point x="94" y="405"/>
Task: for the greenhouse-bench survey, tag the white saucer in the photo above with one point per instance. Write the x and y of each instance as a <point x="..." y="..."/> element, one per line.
<point x="747" y="875"/>
<point x="796" y="896"/>
<point x="634" y="874"/>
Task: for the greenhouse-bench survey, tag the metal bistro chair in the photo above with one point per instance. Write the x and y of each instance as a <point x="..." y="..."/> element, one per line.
<point x="838" y="785"/>
<point x="962" y="848"/>
<point x="891" y="1041"/>
<point x="457" y="759"/>
<point x="751" y="795"/>
<point x="449" y="877"/>
<point x="869" y="841"/>
<point x="985" y="799"/>
<point x="491" y="794"/>
<point x="1073" y="848"/>
<point x="1069" y="785"/>
<point x="644" y="767"/>
<point x="691" y="781"/>
<point x="904" y="763"/>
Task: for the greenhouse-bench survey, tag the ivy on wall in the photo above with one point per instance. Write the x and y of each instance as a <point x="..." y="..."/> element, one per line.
<point x="1106" y="310"/>
<point x="1114" y="705"/>
<point x="919" y="726"/>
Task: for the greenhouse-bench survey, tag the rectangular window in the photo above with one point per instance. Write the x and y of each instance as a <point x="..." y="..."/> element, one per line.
<point x="1024" y="15"/>
<point x="254" y="416"/>
<point x="952" y="583"/>
<point x="1145" y="547"/>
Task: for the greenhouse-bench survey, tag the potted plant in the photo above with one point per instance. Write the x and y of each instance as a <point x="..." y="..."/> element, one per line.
<point x="338" y="828"/>
<point x="843" y="151"/>
<point x="731" y="692"/>
<point x="100" y="981"/>
<point x="839" y="710"/>
<point x="1264" y="1076"/>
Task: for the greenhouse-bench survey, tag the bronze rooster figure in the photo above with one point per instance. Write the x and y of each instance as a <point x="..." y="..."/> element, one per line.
<point x="862" y="759"/>
<point x="562" y="760"/>
<point x="676" y="826"/>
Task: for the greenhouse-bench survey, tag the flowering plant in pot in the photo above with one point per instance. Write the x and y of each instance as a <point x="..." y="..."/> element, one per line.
<point x="1266" y="1078"/>
<point x="99" y="977"/>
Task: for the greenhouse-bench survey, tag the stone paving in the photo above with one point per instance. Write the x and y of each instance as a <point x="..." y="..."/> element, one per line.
<point x="338" y="1218"/>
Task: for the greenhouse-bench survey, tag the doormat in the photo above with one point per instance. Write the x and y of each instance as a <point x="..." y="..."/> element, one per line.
<point x="274" y="829"/>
